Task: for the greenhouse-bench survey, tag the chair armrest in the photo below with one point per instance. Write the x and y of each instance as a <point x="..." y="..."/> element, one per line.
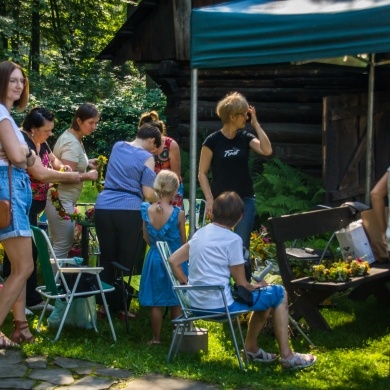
<point x="78" y="270"/>
<point x="66" y="262"/>
<point x="199" y="287"/>
<point x="120" y="266"/>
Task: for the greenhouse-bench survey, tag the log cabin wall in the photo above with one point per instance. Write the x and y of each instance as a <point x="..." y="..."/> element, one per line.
<point x="289" y="98"/>
<point x="288" y="101"/>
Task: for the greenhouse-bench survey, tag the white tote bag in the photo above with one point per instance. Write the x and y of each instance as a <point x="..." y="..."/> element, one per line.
<point x="354" y="242"/>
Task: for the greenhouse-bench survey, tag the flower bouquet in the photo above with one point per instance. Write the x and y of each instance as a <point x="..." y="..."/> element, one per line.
<point x="101" y="163"/>
<point x="263" y="252"/>
<point x="261" y="245"/>
<point x="340" y="271"/>
<point x="359" y="267"/>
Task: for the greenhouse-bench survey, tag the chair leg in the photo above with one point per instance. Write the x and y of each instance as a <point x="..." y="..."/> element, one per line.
<point x="299" y="329"/>
<point x="178" y="337"/>
<point x="106" y="307"/>
<point x="91" y="314"/>
<point x="238" y="353"/>
<point x="242" y="342"/>
<point x="122" y="288"/>
<point x="173" y="342"/>
<point x="63" y="319"/>
<point x="119" y="281"/>
<point x="42" y="315"/>
<point x="181" y="329"/>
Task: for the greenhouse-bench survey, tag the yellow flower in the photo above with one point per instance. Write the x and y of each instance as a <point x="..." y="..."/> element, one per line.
<point x="101" y="161"/>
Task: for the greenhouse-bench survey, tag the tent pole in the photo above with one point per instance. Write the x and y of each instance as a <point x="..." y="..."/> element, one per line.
<point x="370" y="116"/>
<point x="193" y="147"/>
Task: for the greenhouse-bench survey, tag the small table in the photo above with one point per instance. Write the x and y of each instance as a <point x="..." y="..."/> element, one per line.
<point x="85" y="226"/>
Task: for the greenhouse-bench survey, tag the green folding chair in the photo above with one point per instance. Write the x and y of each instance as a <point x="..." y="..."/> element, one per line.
<point x="57" y="274"/>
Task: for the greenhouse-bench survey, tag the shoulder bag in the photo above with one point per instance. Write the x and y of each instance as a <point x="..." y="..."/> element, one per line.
<point x="5" y="205"/>
<point x="243" y="295"/>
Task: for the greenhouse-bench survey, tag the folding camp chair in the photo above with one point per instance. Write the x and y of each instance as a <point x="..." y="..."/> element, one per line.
<point x="200" y="211"/>
<point x="185" y="321"/>
<point x="57" y="284"/>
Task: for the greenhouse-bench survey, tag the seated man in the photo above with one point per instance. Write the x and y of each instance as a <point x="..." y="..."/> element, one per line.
<point x="215" y="254"/>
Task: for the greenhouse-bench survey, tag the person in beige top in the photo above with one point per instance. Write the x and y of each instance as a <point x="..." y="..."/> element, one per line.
<point x="70" y="150"/>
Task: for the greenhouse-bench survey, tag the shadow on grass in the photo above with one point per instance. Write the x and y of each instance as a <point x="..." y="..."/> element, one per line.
<point x="353" y="323"/>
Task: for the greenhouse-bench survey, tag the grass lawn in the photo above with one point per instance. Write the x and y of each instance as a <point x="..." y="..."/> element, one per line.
<point x="355" y="355"/>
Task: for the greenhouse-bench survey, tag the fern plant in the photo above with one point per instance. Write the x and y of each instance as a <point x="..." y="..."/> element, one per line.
<point x="282" y="189"/>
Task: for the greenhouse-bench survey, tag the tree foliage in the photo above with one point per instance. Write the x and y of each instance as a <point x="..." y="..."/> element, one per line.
<point x="57" y="42"/>
<point x="120" y="95"/>
<point x="60" y="32"/>
<point x="282" y="189"/>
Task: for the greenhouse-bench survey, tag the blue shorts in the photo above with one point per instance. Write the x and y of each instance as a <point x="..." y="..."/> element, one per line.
<point x="270" y="297"/>
<point x="21" y="202"/>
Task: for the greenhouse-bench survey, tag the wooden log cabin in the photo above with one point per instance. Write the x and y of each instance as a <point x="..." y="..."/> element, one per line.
<point x="315" y="113"/>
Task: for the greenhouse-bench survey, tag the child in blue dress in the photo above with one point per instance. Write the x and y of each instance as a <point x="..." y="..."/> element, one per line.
<point x="161" y="222"/>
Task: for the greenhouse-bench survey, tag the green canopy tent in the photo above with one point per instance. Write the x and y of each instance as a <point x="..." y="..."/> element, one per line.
<point x="254" y="32"/>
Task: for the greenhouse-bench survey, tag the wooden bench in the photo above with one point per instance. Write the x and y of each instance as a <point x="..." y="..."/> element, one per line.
<point x="305" y="294"/>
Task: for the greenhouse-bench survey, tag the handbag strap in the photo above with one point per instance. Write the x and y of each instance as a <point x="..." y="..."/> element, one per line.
<point x="10" y="184"/>
<point x="258" y="296"/>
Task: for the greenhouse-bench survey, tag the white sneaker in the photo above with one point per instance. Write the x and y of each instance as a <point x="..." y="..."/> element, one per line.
<point x="40" y="306"/>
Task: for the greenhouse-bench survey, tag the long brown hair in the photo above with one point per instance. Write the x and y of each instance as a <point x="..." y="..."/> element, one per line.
<point x="6" y="69"/>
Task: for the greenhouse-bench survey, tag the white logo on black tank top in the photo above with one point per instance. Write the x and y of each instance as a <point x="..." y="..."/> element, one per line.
<point x="232" y="152"/>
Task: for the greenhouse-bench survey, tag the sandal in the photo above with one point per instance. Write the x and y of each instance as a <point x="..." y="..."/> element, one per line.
<point x="22" y="333"/>
<point x="154" y="342"/>
<point x="261" y="356"/>
<point x="298" y="361"/>
<point x="122" y="316"/>
<point x="5" y="342"/>
<point x="101" y="314"/>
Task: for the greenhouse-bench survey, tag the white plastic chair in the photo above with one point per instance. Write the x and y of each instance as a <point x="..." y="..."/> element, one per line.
<point x="185" y="321"/>
<point x="57" y="287"/>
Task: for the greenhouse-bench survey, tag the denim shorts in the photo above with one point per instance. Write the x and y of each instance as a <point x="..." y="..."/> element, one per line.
<point x="21" y="202"/>
<point x="270" y="297"/>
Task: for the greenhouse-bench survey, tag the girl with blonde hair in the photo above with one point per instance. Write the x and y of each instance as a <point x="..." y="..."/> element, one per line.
<point x="161" y="222"/>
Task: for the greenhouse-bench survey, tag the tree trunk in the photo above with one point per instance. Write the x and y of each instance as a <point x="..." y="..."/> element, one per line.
<point x="35" y="37"/>
<point x="55" y="20"/>
<point x="15" y="39"/>
<point x="3" y="39"/>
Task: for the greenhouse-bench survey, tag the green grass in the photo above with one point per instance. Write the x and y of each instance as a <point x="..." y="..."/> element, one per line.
<point x="354" y="355"/>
